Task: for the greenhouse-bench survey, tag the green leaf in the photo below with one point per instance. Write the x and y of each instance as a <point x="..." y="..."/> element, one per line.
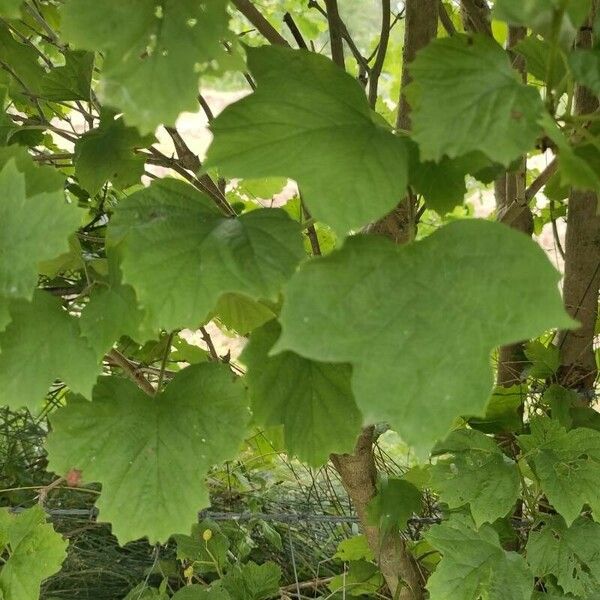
<point x="180" y="255"/>
<point x="537" y="53"/>
<point x="396" y="502"/>
<point x="201" y="592"/>
<point x="242" y="314"/>
<point x="111" y="312"/>
<point x="206" y="555"/>
<point x="475" y="566"/>
<point x="71" y="81"/>
<point x="143" y="592"/>
<point x="319" y="136"/>
<point x="567" y="464"/>
<point x="4" y="313"/>
<point x="35" y="552"/>
<point x="46" y="218"/>
<point x="354" y="548"/>
<point x="568" y="553"/>
<point x="153" y="449"/>
<point x="312" y="400"/>
<point x="10" y="9"/>
<point x="503" y="411"/>
<point x="544" y="359"/>
<point x="252" y="581"/>
<point x="557" y="20"/>
<point x="561" y="400"/>
<point x="152" y="53"/>
<point x="478" y="474"/>
<point x="486" y="107"/>
<point x="106" y="154"/>
<point x="361" y="578"/>
<point x="585" y="65"/>
<point x="415" y="300"/>
<point x="42" y="343"/>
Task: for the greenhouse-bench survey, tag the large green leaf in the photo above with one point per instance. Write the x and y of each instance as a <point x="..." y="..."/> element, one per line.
<point x="478" y="474"/>
<point x="34" y="552"/>
<point x="106" y="154"/>
<point x="312" y="400"/>
<point x="418" y="322"/>
<point x="310" y="121"/>
<point x="567" y="464"/>
<point x="151" y="454"/>
<point x="475" y="566"/>
<point x="557" y="20"/>
<point x="180" y="255"/>
<point x="568" y="553"/>
<point x="33" y="228"/>
<point x="153" y="53"/>
<point x="485" y="106"/>
<point x="42" y="343"/>
<point x="70" y="81"/>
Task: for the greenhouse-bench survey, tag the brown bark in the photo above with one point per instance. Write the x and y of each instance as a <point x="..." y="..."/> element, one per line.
<point x="510" y="190"/>
<point x="581" y="285"/>
<point x="476" y="16"/>
<point x="357" y="470"/>
<point x="359" y="476"/>
<point x="335" y="33"/>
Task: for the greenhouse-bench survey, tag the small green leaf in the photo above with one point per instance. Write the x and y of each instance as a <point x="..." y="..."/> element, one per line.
<point x="503" y="411"/>
<point x="206" y="551"/>
<point x="163" y="445"/>
<point x="567" y="464"/>
<point x="42" y="343"/>
<point x="201" y="592"/>
<point x="361" y="578"/>
<point x="354" y="548"/>
<point x="312" y="400"/>
<point x="474" y="566"/>
<point x="180" y="255"/>
<point x="396" y="501"/>
<point x="71" y="81"/>
<point x="33" y="552"/>
<point x="111" y="312"/>
<point x="48" y="221"/>
<point x="242" y="314"/>
<point x="477" y="474"/>
<point x="261" y="136"/>
<point x="568" y="553"/>
<point x="414" y="300"/>
<point x="252" y="582"/>
<point x="544" y="359"/>
<point x="106" y="154"/>
<point x="486" y="107"/>
<point x="152" y="57"/>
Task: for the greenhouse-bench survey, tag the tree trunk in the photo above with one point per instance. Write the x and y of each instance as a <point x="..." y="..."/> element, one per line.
<point x="582" y="265"/>
<point x="357" y="470"/>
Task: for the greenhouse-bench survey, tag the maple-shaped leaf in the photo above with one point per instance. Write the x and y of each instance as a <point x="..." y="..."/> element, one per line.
<point x="42" y="343"/>
<point x="474" y="565"/>
<point x="567" y="464"/>
<point x="310" y="121"/>
<point x="181" y="255"/>
<point x="418" y="322"/>
<point x="151" y="454"/>
<point x="153" y="53"/>
<point x="568" y="553"/>
<point x="33" y="228"/>
<point x="312" y="400"/>
<point x="485" y="108"/>
<point x="33" y="551"/>
<point x="478" y="473"/>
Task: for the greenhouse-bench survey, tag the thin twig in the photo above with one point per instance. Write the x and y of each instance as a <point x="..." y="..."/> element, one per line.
<point x="289" y="21"/>
<point x="163" y="364"/>
<point x="446" y="21"/>
<point x="262" y="25"/>
<point x="115" y="357"/>
<point x="335" y="33"/>
<point x="208" y="341"/>
<point x="381" y="52"/>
